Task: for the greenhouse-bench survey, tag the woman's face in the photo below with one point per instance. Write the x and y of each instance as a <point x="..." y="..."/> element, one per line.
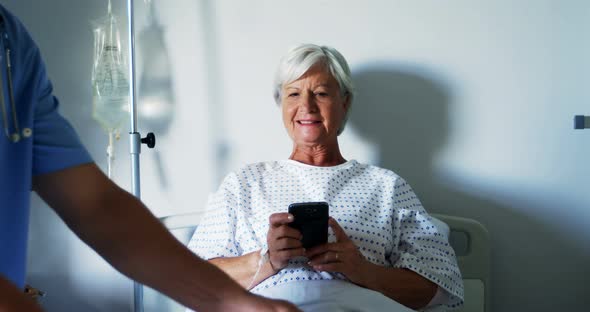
<point x="313" y="108"/>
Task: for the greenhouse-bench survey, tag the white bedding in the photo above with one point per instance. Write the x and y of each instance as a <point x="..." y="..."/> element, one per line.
<point x="333" y="295"/>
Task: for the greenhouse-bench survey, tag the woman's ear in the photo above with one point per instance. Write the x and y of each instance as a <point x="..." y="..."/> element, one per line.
<point x="346" y="102"/>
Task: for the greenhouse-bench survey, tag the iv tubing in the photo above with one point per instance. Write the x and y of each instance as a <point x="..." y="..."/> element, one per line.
<point x="110" y="154"/>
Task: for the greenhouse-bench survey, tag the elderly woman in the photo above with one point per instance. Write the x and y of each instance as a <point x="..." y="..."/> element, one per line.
<point x="383" y="253"/>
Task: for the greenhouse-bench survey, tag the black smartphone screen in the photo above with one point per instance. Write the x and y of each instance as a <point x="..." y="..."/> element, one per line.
<point x="311" y="219"/>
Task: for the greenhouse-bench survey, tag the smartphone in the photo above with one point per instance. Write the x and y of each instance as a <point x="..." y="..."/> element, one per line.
<point x="311" y="219"/>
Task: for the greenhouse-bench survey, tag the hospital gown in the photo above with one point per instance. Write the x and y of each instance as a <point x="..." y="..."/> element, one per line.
<point x="378" y="210"/>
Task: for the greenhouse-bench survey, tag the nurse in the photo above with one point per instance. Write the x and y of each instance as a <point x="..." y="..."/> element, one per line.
<point x="40" y="151"/>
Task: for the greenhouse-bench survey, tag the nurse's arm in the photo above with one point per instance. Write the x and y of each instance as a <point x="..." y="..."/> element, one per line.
<point x="123" y="231"/>
<point x="13" y="299"/>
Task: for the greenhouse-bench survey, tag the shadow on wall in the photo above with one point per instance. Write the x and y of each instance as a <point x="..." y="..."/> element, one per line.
<point x="404" y="111"/>
<point x="156" y="104"/>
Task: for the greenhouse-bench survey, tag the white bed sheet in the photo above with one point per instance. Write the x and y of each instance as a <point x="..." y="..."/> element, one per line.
<point x="333" y="295"/>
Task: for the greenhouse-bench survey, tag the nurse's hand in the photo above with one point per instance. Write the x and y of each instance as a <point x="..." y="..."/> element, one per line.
<point x="284" y="242"/>
<point x="342" y="256"/>
<point x="12" y="299"/>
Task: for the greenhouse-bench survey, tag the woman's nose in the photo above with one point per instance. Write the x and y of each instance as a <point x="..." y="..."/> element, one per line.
<point x="308" y="103"/>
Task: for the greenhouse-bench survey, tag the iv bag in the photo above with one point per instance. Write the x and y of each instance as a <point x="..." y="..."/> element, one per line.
<point x="110" y="85"/>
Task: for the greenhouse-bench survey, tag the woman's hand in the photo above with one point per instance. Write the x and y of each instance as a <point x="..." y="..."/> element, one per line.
<point x="284" y="242"/>
<point x="342" y="256"/>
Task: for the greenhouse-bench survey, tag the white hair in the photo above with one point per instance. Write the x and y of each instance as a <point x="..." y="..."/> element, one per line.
<point x="301" y="58"/>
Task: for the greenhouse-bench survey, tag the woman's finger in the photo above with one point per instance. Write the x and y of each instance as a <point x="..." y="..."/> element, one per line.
<point x="280" y="218"/>
<point x="314" y="251"/>
<point x="280" y="259"/>
<point x="338" y="230"/>
<point x="327" y="257"/>
<point x="285" y="243"/>
<point x="330" y="267"/>
<point x="285" y="231"/>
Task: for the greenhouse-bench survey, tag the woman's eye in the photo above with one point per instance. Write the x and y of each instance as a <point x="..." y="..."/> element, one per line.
<point x="294" y="94"/>
<point x="321" y="94"/>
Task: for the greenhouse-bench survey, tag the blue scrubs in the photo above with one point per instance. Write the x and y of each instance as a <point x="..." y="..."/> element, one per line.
<point x="48" y="143"/>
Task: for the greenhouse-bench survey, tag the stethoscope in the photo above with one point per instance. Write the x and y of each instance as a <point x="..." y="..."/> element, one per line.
<point x="15" y="136"/>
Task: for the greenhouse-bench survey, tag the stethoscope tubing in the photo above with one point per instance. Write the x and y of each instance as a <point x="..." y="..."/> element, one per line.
<point x="15" y="136"/>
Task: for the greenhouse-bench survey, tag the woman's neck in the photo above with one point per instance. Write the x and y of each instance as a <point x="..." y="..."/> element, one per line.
<point x="318" y="155"/>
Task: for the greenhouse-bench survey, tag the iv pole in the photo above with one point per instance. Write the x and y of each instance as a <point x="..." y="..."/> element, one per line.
<point x="135" y="139"/>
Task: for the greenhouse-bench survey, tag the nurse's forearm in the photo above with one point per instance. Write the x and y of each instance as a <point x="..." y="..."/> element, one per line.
<point x="148" y="253"/>
<point x="129" y="237"/>
<point x="243" y="269"/>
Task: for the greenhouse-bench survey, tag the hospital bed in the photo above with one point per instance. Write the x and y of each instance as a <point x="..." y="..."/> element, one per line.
<point x="469" y="239"/>
<point x="471" y="243"/>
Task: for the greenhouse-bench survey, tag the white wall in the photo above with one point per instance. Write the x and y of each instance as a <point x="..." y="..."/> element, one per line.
<point x="471" y="101"/>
